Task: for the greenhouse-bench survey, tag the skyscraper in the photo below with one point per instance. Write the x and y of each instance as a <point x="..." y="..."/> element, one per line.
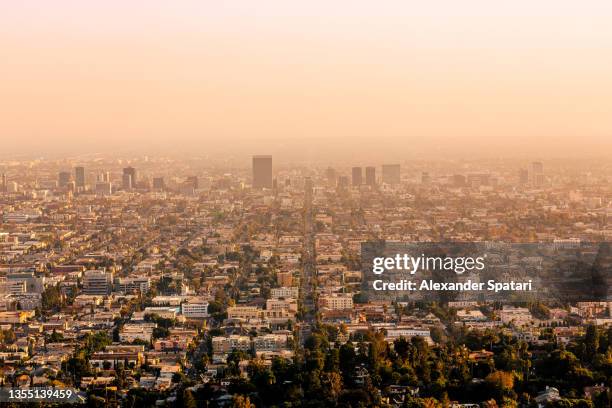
<point x="79" y="176"/>
<point x="262" y="172"/>
<point x="3" y="183"/>
<point x="357" y="176"/>
<point x="391" y="173"/>
<point x="129" y="178"/>
<point x="370" y="176"/>
<point x="158" y="183"/>
<point x="63" y="178"/>
<point x="330" y="174"/>
<point x="536" y="176"/>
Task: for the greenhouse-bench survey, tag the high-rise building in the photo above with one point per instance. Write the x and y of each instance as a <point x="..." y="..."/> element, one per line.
<point x="391" y="174"/>
<point x="425" y="178"/>
<point x="3" y="183"/>
<point x="536" y="176"/>
<point x="330" y="175"/>
<point x="370" y="176"/>
<point x="262" y="172"/>
<point x="79" y="176"/>
<point x="158" y="183"/>
<point x="357" y="176"/>
<point x="63" y="178"/>
<point x="97" y="282"/>
<point x="308" y="185"/>
<point x="129" y="178"/>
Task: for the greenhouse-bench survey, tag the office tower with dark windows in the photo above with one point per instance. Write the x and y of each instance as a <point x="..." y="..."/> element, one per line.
<point x="391" y="174"/>
<point x="370" y="176"/>
<point x="3" y="183"/>
<point x="330" y="175"/>
<point x="129" y="178"/>
<point x="79" y="177"/>
<point x="126" y="181"/>
<point x="357" y="176"/>
<point x="262" y="171"/>
<point x="63" y="178"/>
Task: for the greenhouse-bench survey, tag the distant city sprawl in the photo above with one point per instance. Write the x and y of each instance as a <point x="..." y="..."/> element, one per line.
<point x="151" y="281"/>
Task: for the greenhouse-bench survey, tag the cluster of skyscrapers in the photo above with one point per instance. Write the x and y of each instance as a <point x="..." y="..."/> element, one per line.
<point x="262" y="174"/>
<point x="390" y="175"/>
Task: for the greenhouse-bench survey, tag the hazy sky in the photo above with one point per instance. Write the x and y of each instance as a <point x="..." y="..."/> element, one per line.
<point x="261" y="76"/>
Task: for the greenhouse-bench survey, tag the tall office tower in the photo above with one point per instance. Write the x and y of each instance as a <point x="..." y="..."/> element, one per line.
<point x="3" y="183"/>
<point x="158" y="183"/>
<point x="79" y="176"/>
<point x="308" y="185"/>
<point x="391" y="174"/>
<point x="262" y="171"/>
<point x="97" y="282"/>
<point x="357" y="176"/>
<point x="129" y="178"/>
<point x="330" y="175"/>
<point x="370" y="176"/>
<point x="523" y="176"/>
<point x="63" y="178"/>
<point x="537" y="174"/>
<point x="127" y="181"/>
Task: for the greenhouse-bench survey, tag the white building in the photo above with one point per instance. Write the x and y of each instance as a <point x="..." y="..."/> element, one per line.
<point x="195" y="308"/>
<point x="336" y="301"/>
<point x="285" y="292"/>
